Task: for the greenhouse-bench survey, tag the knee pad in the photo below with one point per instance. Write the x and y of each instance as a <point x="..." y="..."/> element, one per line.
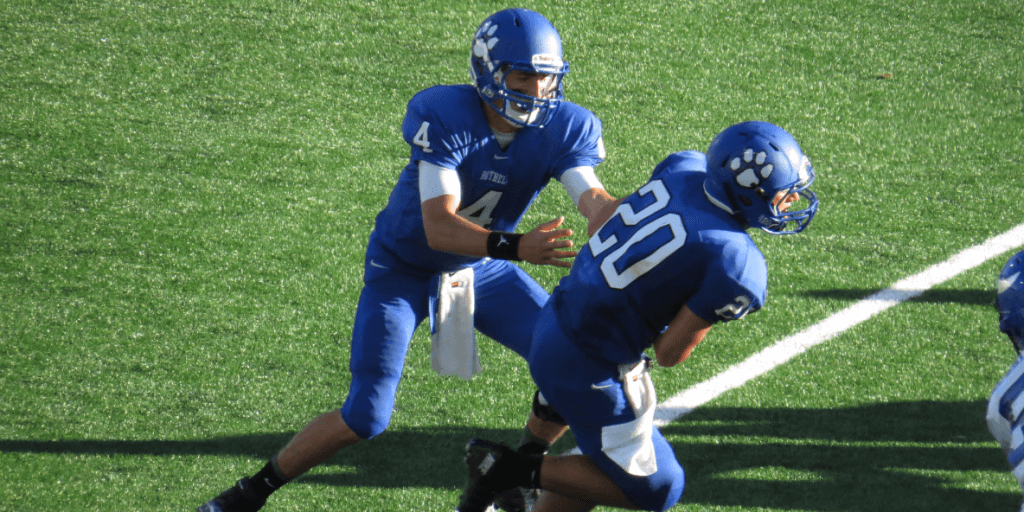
<point x="544" y="411"/>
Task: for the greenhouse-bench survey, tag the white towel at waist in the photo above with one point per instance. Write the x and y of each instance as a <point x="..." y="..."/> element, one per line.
<point x="453" y="340"/>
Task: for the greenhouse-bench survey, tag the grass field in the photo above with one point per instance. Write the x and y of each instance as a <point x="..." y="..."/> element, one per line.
<point x="187" y="187"/>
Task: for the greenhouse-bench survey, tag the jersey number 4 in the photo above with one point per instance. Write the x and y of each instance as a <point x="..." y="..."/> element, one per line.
<point x="422" y="139"/>
<point x="481" y="211"/>
<point x="619" y="279"/>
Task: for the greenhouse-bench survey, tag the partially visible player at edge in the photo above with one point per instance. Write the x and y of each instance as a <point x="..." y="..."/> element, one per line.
<point x="1005" y="407"/>
<point x="481" y="154"/>
<point x="672" y="259"/>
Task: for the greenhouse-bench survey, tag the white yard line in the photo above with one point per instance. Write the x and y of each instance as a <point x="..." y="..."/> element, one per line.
<point x="762" y="362"/>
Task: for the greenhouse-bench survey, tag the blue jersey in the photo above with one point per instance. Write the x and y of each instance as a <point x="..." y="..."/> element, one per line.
<point x="446" y="126"/>
<point x="1005" y="417"/>
<point x="665" y="246"/>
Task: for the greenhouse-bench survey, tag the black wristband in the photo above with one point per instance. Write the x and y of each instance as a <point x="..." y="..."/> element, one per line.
<point x="503" y="246"/>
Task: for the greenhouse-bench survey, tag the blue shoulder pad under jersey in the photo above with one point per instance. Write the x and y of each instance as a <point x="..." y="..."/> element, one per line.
<point x="443" y="124"/>
<point x="442" y="128"/>
<point x="446" y="126"/>
<point x="665" y="246"/>
<point x="689" y="160"/>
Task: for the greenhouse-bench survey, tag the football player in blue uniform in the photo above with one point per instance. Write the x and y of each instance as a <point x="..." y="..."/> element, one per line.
<point x="670" y="261"/>
<point x="1005" y="406"/>
<point x="481" y="154"/>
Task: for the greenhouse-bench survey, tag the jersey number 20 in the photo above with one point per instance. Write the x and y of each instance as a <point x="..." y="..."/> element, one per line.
<point x="650" y="224"/>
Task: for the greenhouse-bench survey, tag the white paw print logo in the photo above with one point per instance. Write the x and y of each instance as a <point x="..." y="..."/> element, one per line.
<point x="485" y="42"/>
<point x="750" y="177"/>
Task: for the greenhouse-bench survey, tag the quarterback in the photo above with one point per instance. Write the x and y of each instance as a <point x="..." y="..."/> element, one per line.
<point x="669" y="262"/>
<point x="480" y="155"/>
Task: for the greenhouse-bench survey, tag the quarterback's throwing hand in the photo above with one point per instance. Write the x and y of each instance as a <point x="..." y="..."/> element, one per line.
<point x="542" y="245"/>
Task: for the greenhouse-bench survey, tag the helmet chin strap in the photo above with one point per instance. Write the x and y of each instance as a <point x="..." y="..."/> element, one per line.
<point x="718" y="203"/>
<point x="729" y="209"/>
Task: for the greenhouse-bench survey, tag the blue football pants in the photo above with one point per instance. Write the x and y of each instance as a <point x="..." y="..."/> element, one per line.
<point x="588" y="394"/>
<point x="394" y="302"/>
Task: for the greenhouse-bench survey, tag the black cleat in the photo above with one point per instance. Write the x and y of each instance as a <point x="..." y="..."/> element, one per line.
<point x="519" y="499"/>
<point x="482" y="457"/>
<point x="239" y="498"/>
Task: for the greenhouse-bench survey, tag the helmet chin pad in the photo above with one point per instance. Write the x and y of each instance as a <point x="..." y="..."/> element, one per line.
<point x="781" y="223"/>
<point x="518" y="117"/>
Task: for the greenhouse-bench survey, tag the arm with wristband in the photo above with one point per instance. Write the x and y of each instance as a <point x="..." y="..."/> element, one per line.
<point x="447" y="231"/>
<point x="503" y="246"/>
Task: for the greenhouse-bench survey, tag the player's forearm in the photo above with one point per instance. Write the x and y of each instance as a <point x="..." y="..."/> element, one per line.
<point x="597" y="209"/>
<point x="448" y="232"/>
<point x="593" y="201"/>
<point x="683" y="334"/>
<point x="458" y="236"/>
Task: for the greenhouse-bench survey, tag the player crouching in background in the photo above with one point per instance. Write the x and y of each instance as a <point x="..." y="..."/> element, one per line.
<point x="1005" y="405"/>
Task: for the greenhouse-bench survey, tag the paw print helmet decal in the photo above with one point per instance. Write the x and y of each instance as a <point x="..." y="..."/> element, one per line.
<point x="752" y="167"/>
<point x="517" y="39"/>
<point x="1010" y="300"/>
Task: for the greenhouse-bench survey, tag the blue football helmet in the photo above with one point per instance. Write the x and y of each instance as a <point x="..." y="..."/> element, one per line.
<point x="1010" y="300"/>
<point x="517" y="39"/>
<point x="752" y="168"/>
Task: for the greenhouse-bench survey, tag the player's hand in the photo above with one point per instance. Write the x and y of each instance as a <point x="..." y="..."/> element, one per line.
<point x="544" y="245"/>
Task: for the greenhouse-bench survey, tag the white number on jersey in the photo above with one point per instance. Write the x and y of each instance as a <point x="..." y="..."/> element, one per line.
<point x="619" y="280"/>
<point x="736" y="310"/>
<point x="479" y="213"/>
<point x="421" y="138"/>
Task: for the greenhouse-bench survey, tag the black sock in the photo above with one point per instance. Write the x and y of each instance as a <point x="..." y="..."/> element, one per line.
<point x="533" y="448"/>
<point x="531" y="468"/>
<point x="268" y="479"/>
<point x="532" y="444"/>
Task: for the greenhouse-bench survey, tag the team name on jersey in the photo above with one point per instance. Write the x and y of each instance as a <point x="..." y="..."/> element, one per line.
<point x="495" y="177"/>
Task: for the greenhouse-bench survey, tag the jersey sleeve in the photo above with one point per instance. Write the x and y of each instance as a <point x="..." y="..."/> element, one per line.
<point x="432" y="137"/>
<point x="584" y="139"/>
<point x="736" y="284"/>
